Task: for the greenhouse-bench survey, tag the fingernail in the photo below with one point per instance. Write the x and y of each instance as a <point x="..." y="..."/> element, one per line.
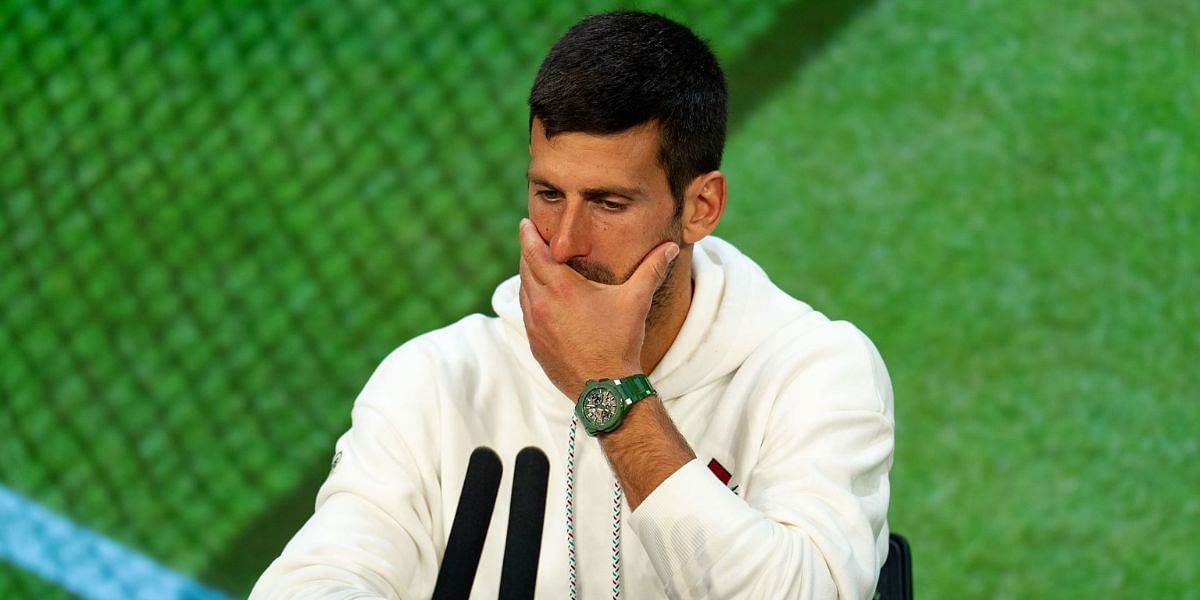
<point x="524" y="222"/>
<point x="672" y="252"/>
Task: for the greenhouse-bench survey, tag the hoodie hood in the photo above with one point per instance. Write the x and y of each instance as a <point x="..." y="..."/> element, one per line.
<point x="735" y="307"/>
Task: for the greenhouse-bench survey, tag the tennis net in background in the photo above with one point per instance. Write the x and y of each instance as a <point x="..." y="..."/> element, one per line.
<point x="217" y="218"/>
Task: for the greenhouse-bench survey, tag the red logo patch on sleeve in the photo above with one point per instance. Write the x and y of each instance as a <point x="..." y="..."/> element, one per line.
<point x="721" y="472"/>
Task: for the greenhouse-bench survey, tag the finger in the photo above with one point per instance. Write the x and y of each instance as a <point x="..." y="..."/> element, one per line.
<point x="527" y="277"/>
<point x="535" y="252"/>
<point x="523" y="298"/>
<point x="652" y="271"/>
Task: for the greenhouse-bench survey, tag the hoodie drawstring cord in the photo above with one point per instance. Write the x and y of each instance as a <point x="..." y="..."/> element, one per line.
<point x="618" y="496"/>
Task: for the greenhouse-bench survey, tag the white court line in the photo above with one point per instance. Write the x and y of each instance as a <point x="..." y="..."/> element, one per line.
<point x="83" y="561"/>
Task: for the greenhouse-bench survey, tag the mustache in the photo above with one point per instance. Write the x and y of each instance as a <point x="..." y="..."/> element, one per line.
<point x="595" y="272"/>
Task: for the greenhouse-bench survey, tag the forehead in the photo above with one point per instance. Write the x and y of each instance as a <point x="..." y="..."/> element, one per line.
<point x="571" y="159"/>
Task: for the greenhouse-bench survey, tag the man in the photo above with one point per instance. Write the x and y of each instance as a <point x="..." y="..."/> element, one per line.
<point x="753" y="460"/>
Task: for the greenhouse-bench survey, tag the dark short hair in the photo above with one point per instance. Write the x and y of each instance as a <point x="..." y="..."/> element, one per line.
<point x="617" y="70"/>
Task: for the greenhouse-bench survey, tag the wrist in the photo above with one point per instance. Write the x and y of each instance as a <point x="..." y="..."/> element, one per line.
<point x="598" y="372"/>
<point x="612" y="370"/>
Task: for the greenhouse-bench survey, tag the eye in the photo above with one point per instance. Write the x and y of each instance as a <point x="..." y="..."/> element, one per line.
<point x="610" y="205"/>
<point x="548" y="195"/>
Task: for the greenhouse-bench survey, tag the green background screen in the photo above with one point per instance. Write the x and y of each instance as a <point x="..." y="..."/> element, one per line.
<point x="216" y="218"/>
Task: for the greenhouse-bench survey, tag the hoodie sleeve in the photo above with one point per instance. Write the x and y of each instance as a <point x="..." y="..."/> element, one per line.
<point x="372" y="534"/>
<point x="813" y="523"/>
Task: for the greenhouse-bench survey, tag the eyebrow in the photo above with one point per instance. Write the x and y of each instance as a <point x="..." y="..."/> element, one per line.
<point x="631" y="193"/>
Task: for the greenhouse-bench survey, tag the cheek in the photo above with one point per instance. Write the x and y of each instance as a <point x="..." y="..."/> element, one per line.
<point x="543" y="219"/>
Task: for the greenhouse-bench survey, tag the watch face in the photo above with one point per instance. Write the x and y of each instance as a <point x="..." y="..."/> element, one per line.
<point x="600" y="407"/>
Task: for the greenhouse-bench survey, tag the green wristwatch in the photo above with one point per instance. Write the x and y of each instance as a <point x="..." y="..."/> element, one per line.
<point x="603" y="404"/>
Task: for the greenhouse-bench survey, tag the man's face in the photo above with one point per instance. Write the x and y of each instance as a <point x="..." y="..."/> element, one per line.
<point x="600" y="201"/>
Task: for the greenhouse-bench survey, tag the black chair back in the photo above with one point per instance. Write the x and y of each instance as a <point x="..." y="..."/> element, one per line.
<point x="895" y="578"/>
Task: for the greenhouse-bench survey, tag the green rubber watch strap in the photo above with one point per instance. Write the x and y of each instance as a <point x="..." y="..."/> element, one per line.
<point x="635" y="387"/>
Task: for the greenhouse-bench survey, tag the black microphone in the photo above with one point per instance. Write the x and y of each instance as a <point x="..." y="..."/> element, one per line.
<point x="464" y="546"/>
<point x="525" y="517"/>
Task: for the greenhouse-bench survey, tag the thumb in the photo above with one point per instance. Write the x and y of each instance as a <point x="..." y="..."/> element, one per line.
<point x="654" y="268"/>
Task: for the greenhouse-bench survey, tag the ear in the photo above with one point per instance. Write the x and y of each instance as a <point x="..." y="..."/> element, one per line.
<point x="703" y="205"/>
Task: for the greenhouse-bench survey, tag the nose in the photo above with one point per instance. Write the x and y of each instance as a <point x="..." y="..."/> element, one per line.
<point x="572" y="237"/>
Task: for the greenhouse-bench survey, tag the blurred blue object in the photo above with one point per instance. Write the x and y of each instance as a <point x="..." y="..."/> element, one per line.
<point x="83" y="561"/>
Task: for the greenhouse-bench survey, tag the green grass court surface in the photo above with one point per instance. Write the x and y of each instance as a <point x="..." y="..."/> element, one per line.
<point x="217" y="219"/>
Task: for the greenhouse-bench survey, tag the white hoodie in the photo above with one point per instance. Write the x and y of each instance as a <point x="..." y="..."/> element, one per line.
<point x="797" y="408"/>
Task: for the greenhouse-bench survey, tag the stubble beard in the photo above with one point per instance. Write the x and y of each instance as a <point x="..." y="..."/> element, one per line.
<point x="662" y="296"/>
